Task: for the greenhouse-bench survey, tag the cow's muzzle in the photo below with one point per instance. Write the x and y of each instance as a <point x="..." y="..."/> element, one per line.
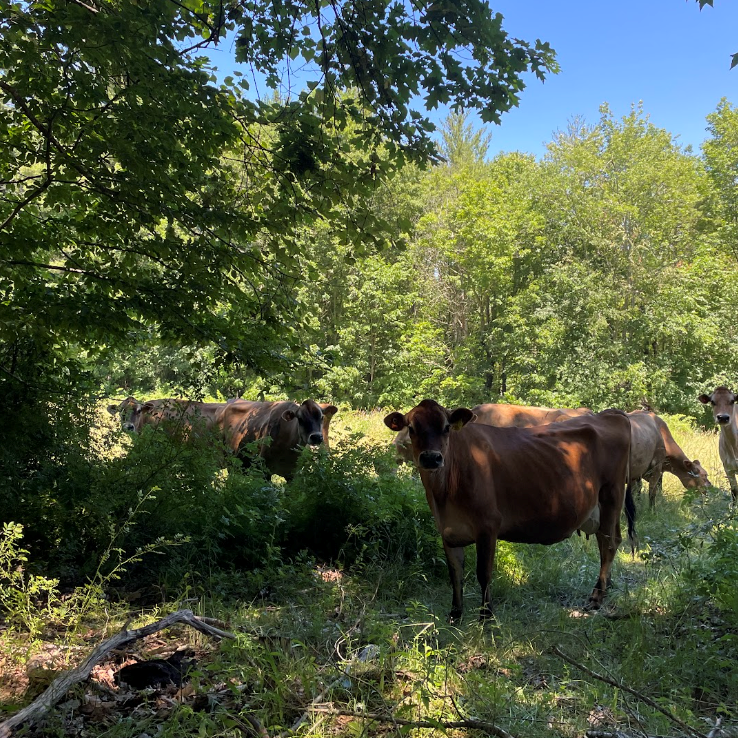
<point x="129" y="427"/>
<point x="722" y="419"/>
<point x="430" y="459"/>
<point x="315" y="439"/>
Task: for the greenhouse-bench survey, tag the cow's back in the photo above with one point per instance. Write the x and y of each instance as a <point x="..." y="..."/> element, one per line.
<point x="540" y="483"/>
<point x="647" y="444"/>
<point x="523" y="416"/>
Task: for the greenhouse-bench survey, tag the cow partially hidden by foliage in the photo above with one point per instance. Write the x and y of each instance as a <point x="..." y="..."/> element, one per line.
<point x="536" y="485"/>
<point x="284" y="426"/>
<point x="723" y="402"/>
<point x="177" y="417"/>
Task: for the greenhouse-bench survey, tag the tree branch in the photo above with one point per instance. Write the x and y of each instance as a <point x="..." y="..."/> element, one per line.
<point x="642" y="697"/>
<point x="470" y="723"/>
<point x="61" y="685"/>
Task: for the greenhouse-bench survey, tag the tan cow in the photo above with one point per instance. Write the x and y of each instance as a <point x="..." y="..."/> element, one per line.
<point x="175" y="416"/>
<point x="501" y="416"/>
<point x="653" y="451"/>
<point x="328" y="412"/>
<point x="527" y="485"/>
<point x="288" y="425"/>
<point x="723" y="402"/>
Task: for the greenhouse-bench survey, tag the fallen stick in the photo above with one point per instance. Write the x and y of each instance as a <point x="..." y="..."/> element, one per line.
<point x="61" y="685"/>
<point x="470" y="723"/>
<point x="619" y="685"/>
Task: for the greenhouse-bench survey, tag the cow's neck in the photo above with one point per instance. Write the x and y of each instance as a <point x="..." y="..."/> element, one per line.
<point x="438" y="483"/>
<point x="730" y="433"/>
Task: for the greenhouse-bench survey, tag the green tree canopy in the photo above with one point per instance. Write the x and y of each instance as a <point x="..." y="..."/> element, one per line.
<point x="138" y="193"/>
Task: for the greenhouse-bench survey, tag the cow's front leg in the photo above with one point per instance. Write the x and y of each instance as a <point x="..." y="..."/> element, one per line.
<point x="655" y="484"/>
<point x="486" y="545"/>
<point x="733" y="483"/>
<point x="455" y="561"/>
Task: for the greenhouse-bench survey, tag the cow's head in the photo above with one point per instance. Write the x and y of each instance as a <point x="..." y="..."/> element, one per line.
<point x="403" y="447"/>
<point x="696" y="475"/>
<point x="429" y="428"/>
<point x="129" y="411"/>
<point x="309" y="417"/>
<point x="723" y="402"/>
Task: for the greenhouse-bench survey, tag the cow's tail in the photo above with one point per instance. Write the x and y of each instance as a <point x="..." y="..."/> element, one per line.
<point x="630" y="516"/>
<point x="630" y="508"/>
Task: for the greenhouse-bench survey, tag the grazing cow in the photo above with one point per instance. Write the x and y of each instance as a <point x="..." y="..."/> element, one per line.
<point x="290" y="427"/>
<point x="723" y="409"/>
<point x="501" y="416"/>
<point x="527" y="485"/>
<point x="653" y="451"/>
<point x="176" y="416"/>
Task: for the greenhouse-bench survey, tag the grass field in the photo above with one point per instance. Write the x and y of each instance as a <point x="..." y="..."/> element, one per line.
<point x="321" y="646"/>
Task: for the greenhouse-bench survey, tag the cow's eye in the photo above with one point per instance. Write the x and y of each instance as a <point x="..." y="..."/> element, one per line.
<point x="447" y="429"/>
<point x="411" y="430"/>
<point x="712" y="402"/>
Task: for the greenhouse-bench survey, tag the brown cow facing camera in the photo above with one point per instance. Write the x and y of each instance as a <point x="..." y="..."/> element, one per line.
<point x="723" y="402"/>
<point x="501" y="416"/>
<point x="535" y="485"/>
<point x="288" y="425"/>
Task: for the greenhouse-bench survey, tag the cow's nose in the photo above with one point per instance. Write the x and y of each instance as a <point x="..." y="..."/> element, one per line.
<point x="129" y="427"/>
<point x="722" y="418"/>
<point x="315" y="439"/>
<point x="431" y="459"/>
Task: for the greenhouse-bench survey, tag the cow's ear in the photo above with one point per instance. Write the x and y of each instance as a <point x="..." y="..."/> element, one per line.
<point x="460" y="417"/>
<point x="689" y="465"/>
<point x="395" y="421"/>
<point x="113" y="409"/>
<point x="330" y="411"/>
<point x="704" y="399"/>
<point x="288" y="415"/>
<point x="474" y="419"/>
<point x="146" y="406"/>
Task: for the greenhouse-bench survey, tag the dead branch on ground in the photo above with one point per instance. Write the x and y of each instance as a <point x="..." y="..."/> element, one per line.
<point x="61" y="685"/>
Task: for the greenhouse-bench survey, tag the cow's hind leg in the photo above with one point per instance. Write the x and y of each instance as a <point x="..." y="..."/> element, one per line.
<point x="455" y="561"/>
<point x="486" y="545"/>
<point x="609" y="539"/>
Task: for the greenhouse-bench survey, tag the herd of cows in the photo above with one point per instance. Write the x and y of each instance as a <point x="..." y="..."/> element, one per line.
<point x="493" y="472"/>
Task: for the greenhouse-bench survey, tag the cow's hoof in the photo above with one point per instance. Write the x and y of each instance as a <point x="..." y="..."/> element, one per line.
<point x="454" y="617"/>
<point x="485" y="613"/>
<point x="594" y="603"/>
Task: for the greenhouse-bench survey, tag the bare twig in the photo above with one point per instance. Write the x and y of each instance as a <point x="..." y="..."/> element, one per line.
<point x="61" y="685"/>
<point x="470" y="723"/>
<point x="642" y="697"/>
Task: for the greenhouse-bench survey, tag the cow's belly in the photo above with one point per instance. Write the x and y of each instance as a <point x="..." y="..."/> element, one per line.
<point x="552" y="528"/>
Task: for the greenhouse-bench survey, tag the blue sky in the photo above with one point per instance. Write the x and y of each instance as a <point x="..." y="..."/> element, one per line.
<point x="666" y="53"/>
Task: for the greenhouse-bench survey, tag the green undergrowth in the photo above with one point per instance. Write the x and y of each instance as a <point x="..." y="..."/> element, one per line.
<point x="335" y="588"/>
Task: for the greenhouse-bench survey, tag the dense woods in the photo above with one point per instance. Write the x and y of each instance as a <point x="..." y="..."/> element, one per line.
<point x="168" y="232"/>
